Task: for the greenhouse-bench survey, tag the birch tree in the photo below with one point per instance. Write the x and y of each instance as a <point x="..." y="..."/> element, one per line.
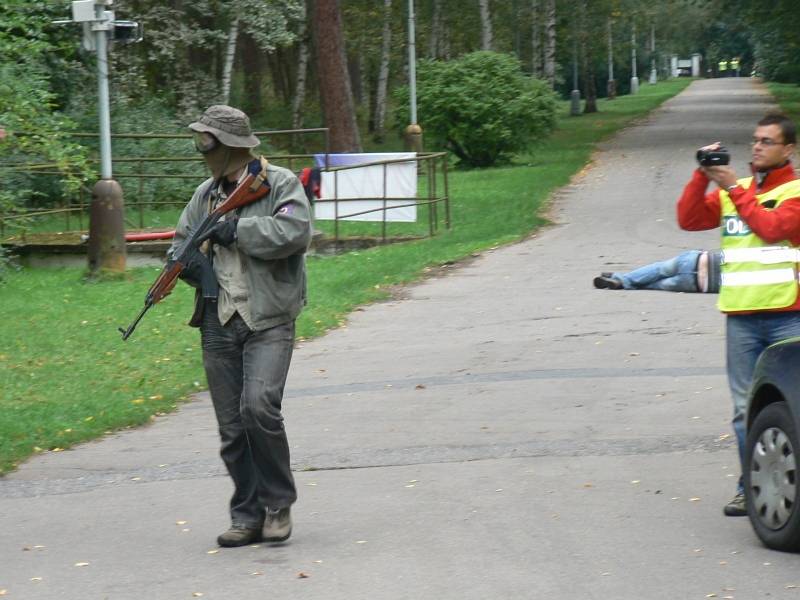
<point x="536" y="40"/>
<point x="383" y="73"/>
<point x="486" y="25"/>
<point x="550" y="42"/>
<point x="230" y="53"/>
<point x="302" y="68"/>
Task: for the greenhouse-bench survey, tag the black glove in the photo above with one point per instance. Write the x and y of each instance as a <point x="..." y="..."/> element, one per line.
<point x="224" y="232"/>
<point x="192" y="273"/>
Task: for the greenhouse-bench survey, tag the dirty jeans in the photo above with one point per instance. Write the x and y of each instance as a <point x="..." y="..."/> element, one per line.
<point x="678" y="274"/>
<point x="747" y="337"/>
<point x="246" y="373"/>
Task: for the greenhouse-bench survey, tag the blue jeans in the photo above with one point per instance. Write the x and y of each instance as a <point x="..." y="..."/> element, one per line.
<point x="747" y="337"/>
<point x="677" y="274"/>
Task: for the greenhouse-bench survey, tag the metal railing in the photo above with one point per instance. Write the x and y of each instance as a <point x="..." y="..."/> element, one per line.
<point x="144" y="169"/>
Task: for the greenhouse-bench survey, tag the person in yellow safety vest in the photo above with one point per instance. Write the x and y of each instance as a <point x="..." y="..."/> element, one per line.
<point x="722" y="68"/>
<point x="759" y="217"/>
<point x="734" y="67"/>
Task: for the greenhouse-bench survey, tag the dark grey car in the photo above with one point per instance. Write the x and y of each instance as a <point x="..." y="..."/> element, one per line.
<point x="773" y="447"/>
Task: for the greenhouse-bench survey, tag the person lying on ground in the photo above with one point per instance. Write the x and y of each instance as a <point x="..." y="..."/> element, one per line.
<point x="690" y="271"/>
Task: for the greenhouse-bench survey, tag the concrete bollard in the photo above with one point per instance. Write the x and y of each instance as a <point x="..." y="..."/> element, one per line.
<point x="413" y="138"/>
<point x="106" y="228"/>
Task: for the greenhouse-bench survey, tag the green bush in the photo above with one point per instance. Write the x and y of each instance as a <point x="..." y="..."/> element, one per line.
<point x="480" y="106"/>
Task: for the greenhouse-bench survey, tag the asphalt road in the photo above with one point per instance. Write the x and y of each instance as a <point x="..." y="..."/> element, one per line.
<point x="505" y="431"/>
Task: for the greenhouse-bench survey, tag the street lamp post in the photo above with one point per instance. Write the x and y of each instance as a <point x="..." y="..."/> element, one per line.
<point x="611" y="89"/>
<point x="634" y="78"/>
<point x="653" y="72"/>
<point x="413" y="133"/>
<point x="575" y="95"/>
<point x="106" y="249"/>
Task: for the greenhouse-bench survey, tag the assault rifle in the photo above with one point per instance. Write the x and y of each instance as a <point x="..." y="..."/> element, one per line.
<point x="252" y="187"/>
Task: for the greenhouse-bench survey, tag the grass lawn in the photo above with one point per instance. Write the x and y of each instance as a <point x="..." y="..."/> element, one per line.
<point x="65" y="375"/>
<point x="788" y="97"/>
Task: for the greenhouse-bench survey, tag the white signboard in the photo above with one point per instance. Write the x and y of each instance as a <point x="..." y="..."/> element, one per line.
<point x="364" y="188"/>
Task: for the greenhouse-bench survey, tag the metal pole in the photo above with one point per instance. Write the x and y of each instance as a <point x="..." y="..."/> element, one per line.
<point x="102" y="92"/>
<point x="413" y="133"/>
<point x="611" y="89"/>
<point x="634" y="78"/>
<point x="575" y="96"/>
<point x="653" y="72"/>
<point x="412" y="66"/>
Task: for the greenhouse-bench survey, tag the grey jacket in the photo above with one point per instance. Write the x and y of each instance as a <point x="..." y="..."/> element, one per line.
<point x="273" y="235"/>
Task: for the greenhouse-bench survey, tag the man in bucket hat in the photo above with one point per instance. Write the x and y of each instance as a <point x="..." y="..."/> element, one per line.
<point x="258" y="258"/>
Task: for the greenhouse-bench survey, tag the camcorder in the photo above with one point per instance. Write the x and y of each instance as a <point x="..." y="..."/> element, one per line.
<point x="713" y="158"/>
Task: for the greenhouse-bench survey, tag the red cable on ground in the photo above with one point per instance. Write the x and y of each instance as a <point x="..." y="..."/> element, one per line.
<point x="144" y="237"/>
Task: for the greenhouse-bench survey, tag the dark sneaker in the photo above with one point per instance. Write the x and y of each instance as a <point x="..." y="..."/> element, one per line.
<point x="607" y="283"/>
<point x="278" y="526"/>
<point x="239" y="535"/>
<point x="606" y="274"/>
<point x="736" y="507"/>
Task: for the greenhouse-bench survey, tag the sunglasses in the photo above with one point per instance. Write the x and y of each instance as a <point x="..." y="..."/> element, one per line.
<point x="204" y="141"/>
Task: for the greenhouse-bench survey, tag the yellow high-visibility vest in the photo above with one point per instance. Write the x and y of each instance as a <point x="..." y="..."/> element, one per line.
<point x="734" y="64"/>
<point x="723" y="65"/>
<point x="756" y="275"/>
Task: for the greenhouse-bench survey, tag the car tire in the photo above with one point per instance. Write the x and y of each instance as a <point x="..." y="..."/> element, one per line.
<point x="771" y="485"/>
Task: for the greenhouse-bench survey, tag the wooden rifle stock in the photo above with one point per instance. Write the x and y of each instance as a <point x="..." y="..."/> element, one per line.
<point x="166" y="280"/>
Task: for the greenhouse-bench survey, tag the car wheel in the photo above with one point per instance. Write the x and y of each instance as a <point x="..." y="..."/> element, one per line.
<point x="771" y="482"/>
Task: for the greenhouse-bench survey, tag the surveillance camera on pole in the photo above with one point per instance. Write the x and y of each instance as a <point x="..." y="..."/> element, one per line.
<point x="106" y="222"/>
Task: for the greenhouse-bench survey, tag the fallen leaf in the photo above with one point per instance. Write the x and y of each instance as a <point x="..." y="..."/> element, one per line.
<point x="791" y="586"/>
<point x="256" y="573"/>
<point x="419" y="386"/>
<point x="137" y="400"/>
<point x="635" y="482"/>
<point x="212" y="552"/>
<point x="302" y="575"/>
<point x="694" y="499"/>
<point x="723" y="562"/>
<point x="587" y="485"/>
<point x="82" y="564"/>
<point x="319" y="562"/>
<point x="181" y="522"/>
<point x="410" y="485"/>
<point x="361" y="542"/>
<point x="767" y="564"/>
<point x="36" y="578"/>
<point x="499" y="490"/>
<point x="711" y="595"/>
<point x="197" y="594"/>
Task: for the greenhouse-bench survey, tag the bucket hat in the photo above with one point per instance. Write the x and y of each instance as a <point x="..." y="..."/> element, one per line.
<point x="229" y="125"/>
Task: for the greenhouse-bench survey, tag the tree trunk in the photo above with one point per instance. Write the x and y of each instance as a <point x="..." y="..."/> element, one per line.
<point x="587" y="64"/>
<point x="300" y="85"/>
<point x="230" y="54"/>
<point x="536" y="40"/>
<point x="436" y="26"/>
<point x="486" y="25"/>
<point x="252" y="66"/>
<point x="383" y="74"/>
<point x="355" y="69"/>
<point x="550" y="42"/>
<point x="334" y="82"/>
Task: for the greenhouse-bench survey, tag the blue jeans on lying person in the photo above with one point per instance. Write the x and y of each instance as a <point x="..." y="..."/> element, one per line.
<point x="678" y="274"/>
